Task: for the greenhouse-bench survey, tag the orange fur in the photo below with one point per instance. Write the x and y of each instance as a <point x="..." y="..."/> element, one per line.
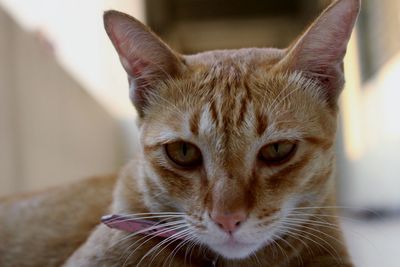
<point x="44" y="228"/>
<point x="230" y="104"/>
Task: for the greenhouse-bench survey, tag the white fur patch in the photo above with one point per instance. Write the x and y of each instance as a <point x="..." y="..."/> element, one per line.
<point x="164" y="136"/>
<point x="206" y="123"/>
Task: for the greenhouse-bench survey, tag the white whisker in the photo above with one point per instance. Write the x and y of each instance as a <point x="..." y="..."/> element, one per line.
<point x="335" y="254"/>
<point x="280" y="247"/>
<point x="176" y="249"/>
<point x="154" y="227"/>
<point x="166" y="217"/>
<point x="315" y="230"/>
<point x="148" y="238"/>
<point x="167" y="241"/>
<point x="298" y="255"/>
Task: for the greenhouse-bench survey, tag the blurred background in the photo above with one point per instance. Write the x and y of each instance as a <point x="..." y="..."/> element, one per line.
<point x="65" y="112"/>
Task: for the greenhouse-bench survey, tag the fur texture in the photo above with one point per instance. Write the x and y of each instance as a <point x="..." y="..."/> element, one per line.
<point x="234" y="209"/>
<point x="44" y="228"/>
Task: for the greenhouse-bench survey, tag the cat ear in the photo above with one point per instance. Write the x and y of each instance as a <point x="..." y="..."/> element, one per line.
<point x="319" y="52"/>
<point x="145" y="58"/>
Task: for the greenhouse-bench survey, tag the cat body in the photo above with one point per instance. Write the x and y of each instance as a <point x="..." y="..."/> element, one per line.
<point x="45" y="228"/>
<point x="236" y="155"/>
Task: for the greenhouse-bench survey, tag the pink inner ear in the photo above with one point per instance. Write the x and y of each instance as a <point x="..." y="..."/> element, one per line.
<point x="132" y="64"/>
<point x="135" y="67"/>
<point x="139" y="70"/>
<point x="139" y="80"/>
<point x="126" y="37"/>
<point x="145" y="58"/>
<point x="143" y="55"/>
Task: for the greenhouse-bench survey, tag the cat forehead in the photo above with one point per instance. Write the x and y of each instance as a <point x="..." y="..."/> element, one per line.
<point x="279" y="106"/>
<point x="231" y="91"/>
<point x="244" y="57"/>
<point x="229" y="73"/>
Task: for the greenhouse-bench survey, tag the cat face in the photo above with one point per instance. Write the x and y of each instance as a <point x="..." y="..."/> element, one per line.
<point x="236" y="139"/>
<point x="236" y="148"/>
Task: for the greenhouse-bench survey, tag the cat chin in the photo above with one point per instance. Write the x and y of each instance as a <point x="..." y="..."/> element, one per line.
<point x="235" y="251"/>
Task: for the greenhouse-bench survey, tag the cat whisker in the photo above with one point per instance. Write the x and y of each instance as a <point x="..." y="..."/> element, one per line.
<point x="279" y="246"/>
<point x="295" y="237"/>
<point x="150" y="215"/>
<point x="273" y="247"/>
<point x="216" y="258"/>
<point x="130" y="236"/>
<point x="335" y="207"/>
<point x="347" y="208"/>
<point x="154" y="213"/>
<point x="188" y="246"/>
<point x="254" y="255"/>
<point x="167" y="227"/>
<point x="128" y="218"/>
<point x="160" y="224"/>
<point x="315" y="230"/>
<point x="322" y="223"/>
<point x="181" y="235"/>
<point x="324" y="216"/>
<point x="299" y="216"/>
<point x="298" y="255"/>
<point x="125" y="238"/>
<point x="175" y="250"/>
<point x="311" y="216"/>
<point x="148" y="238"/>
<point x="154" y="227"/>
<point x="166" y="242"/>
<point x="201" y="249"/>
<point x="189" y="250"/>
<point x="313" y="222"/>
<point x="307" y="235"/>
<point x="294" y="228"/>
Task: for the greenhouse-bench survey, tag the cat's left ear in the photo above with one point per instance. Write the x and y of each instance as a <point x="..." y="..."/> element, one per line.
<point x="146" y="59"/>
<point x="319" y="52"/>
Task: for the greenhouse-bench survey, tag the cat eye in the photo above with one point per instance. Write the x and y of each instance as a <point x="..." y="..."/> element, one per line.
<point x="278" y="152"/>
<point x="183" y="154"/>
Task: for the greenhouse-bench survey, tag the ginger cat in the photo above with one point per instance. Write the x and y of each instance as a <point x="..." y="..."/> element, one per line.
<point x="237" y="157"/>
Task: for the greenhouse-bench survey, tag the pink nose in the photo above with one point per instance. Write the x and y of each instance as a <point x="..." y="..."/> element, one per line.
<point x="229" y="222"/>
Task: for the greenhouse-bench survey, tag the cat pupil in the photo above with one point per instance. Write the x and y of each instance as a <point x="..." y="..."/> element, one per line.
<point x="276" y="147"/>
<point x="184" y="149"/>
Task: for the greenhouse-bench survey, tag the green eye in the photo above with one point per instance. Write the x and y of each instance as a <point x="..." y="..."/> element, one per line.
<point x="183" y="154"/>
<point x="277" y="153"/>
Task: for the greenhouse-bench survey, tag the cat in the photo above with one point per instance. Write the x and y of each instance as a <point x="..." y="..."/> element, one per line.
<point x="236" y="156"/>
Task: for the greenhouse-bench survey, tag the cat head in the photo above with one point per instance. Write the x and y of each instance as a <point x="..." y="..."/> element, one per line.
<point x="237" y="139"/>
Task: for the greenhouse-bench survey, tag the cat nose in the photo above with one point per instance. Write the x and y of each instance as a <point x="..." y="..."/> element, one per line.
<point x="229" y="222"/>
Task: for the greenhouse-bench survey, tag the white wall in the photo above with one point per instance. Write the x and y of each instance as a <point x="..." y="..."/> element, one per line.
<point x="373" y="178"/>
<point x="51" y="130"/>
<point x="75" y="30"/>
<point x="8" y="165"/>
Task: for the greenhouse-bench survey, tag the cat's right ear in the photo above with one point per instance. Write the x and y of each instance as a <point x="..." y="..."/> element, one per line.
<point x="145" y="58"/>
<point x="318" y="53"/>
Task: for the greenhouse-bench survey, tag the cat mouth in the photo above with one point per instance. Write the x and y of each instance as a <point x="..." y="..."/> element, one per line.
<point x="234" y="249"/>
